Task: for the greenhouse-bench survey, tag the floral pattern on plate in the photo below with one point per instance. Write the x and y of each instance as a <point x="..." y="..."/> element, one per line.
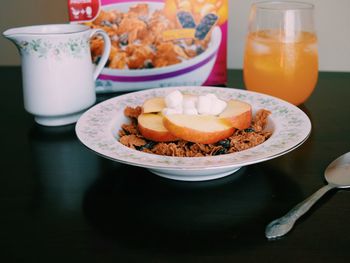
<point x="98" y="130"/>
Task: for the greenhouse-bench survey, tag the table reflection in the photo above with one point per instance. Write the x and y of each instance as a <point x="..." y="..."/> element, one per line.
<point x="132" y="206"/>
<point x="64" y="166"/>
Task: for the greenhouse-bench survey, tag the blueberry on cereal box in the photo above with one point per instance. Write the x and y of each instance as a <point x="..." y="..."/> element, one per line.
<point x="124" y="39"/>
<point x="205" y="25"/>
<point x="186" y="19"/>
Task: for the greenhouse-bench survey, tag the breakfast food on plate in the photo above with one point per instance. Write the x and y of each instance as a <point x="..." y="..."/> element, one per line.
<point x="198" y="128"/>
<point x="239" y="113"/>
<point x="190" y="126"/>
<point x="151" y="127"/>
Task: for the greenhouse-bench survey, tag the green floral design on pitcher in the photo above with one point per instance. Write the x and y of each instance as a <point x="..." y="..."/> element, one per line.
<point x="75" y="48"/>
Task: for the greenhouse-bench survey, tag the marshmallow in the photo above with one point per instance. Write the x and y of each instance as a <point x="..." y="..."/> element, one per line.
<point x="170" y="111"/>
<point x="217" y="106"/>
<point x="211" y="96"/>
<point x="188" y="103"/>
<point x="190" y="111"/>
<point x="174" y="99"/>
<point x="204" y="104"/>
<point x="207" y="104"/>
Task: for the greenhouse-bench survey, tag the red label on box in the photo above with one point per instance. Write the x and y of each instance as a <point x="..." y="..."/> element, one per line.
<point x="83" y="10"/>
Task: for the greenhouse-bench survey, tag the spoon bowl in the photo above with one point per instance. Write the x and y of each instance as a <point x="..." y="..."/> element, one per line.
<point x="337" y="174"/>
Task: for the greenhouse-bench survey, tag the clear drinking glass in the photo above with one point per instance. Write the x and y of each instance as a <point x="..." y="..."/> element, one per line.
<point x="281" y="57"/>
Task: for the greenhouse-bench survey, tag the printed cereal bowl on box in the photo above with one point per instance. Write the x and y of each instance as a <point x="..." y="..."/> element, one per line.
<point x="155" y="45"/>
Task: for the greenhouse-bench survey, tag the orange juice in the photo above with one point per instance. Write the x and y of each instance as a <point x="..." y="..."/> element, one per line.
<point x="281" y="65"/>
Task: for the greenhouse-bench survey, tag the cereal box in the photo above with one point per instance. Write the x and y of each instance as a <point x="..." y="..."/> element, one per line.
<point x="157" y="43"/>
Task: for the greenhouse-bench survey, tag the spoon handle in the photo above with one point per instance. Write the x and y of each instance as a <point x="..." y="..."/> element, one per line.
<point x="283" y="225"/>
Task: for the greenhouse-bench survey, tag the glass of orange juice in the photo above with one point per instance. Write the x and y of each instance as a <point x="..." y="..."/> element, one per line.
<point x="281" y="57"/>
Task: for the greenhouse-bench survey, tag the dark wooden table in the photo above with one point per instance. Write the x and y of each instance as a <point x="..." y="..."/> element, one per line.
<point x="59" y="202"/>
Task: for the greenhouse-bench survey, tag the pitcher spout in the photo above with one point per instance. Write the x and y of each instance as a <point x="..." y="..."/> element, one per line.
<point x="16" y="36"/>
<point x="11" y="34"/>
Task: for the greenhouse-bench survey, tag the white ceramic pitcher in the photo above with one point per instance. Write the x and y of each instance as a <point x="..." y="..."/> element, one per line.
<point x="57" y="70"/>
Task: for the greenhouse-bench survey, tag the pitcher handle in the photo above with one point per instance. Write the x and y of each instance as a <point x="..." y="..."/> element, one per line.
<point x="106" y="50"/>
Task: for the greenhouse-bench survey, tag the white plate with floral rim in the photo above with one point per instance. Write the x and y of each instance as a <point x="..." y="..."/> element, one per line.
<point x="98" y="129"/>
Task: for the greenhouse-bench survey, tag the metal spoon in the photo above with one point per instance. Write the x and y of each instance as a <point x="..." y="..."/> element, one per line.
<point x="337" y="175"/>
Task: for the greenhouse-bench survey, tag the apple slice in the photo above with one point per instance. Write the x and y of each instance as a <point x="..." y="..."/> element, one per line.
<point x="151" y="127"/>
<point x="198" y="128"/>
<point x="156" y="104"/>
<point x="239" y="114"/>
